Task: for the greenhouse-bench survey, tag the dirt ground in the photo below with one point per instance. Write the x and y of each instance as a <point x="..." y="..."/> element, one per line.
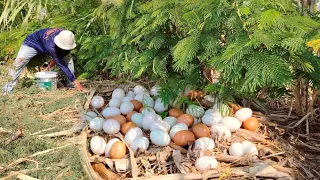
<point x="37" y="113"/>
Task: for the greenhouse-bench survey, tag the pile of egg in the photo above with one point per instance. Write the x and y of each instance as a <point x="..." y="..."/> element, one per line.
<point x="136" y="111"/>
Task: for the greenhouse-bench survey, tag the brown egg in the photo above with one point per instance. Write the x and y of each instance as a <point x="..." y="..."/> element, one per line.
<point x="175" y="112"/>
<point x="127" y="126"/>
<point x="120" y="118"/>
<point x="251" y="124"/>
<point x="200" y="130"/>
<point x="185" y="118"/>
<point x="118" y="150"/>
<point x="140" y="110"/>
<point x="137" y="105"/>
<point x="183" y="137"/>
<point x="129" y="115"/>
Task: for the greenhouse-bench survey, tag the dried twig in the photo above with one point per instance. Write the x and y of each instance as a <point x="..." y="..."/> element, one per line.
<point x="32" y="134"/>
<point x="15" y="136"/>
<point x="60" y="133"/>
<point x="15" y="173"/>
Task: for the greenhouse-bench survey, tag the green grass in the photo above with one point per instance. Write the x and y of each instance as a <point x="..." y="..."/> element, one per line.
<point x="22" y="109"/>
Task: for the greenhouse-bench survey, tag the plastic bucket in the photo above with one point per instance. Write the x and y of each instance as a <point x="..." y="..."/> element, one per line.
<point x="47" y="80"/>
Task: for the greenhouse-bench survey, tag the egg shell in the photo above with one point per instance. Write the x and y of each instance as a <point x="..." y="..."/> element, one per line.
<point x="185" y="118"/>
<point x="120" y="118"/>
<point x="137" y="105"/>
<point x="126" y="107"/>
<point x="148" y="119"/>
<point x="183" y="137"/>
<point x="146" y="110"/>
<point x="129" y="115"/>
<point x="97" y="145"/>
<point x="97" y="102"/>
<point x="211" y="119"/>
<point x="175" y="112"/>
<point x="111" y="126"/>
<point x="204" y="143"/>
<point x="154" y="90"/>
<point x="148" y="101"/>
<point x="139" y="89"/>
<point x="243" y="114"/>
<point x="204" y="163"/>
<point x="127" y="99"/>
<point x="118" y="150"/>
<point x="127" y="126"/>
<point x="132" y="134"/>
<point x="131" y="94"/>
<point x="96" y="124"/>
<point x="170" y="120"/>
<point x="232" y="123"/>
<point x="137" y="118"/>
<point x="236" y="149"/>
<point x="160" y="138"/>
<point x="118" y="94"/>
<point x="161" y="125"/>
<point x="210" y="111"/>
<point x="141" y="96"/>
<point x="251" y="124"/>
<point x="195" y="111"/>
<point x="159" y="106"/>
<point x="90" y="115"/>
<point x="223" y="109"/>
<point x="109" y="145"/>
<point x="221" y="130"/>
<point x="200" y="130"/>
<point x="110" y="111"/>
<point x="115" y="103"/>
<point x="250" y="149"/>
<point x="176" y="128"/>
<point x="140" y="142"/>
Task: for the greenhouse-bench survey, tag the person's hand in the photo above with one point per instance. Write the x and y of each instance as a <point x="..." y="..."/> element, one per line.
<point x="79" y="87"/>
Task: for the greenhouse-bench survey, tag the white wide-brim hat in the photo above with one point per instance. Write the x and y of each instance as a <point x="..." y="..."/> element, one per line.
<point x="65" y="40"/>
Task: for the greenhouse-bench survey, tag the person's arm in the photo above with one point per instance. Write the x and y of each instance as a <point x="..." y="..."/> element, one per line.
<point x="63" y="66"/>
<point x="50" y="65"/>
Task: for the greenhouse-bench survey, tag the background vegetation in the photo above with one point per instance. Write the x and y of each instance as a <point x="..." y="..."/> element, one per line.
<point x="232" y="48"/>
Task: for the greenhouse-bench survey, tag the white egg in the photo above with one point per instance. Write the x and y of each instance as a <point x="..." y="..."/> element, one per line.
<point x="148" y="101"/>
<point x="97" y="145"/>
<point x="159" y="106"/>
<point x="148" y="120"/>
<point x="141" y="96"/>
<point x="97" y="102"/>
<point x="195" y="111"/>
<point x="210" y="111"/>
<point x="212" y="99"/>
<point x="236" y="149"/>
<point x="176" y="128"/>
<point x="160" y="138"/>
<point x="115" y="102"/>
<point x="127" y="99"/>
<point x="220" y="129"/>
<point x="96" y="124"/>
<point x="137" y="118"/>
<point x="170" y="120"/>
<point x="154" y="90"/>
<point x="90" y="115"/>
<point x="159" y="118"/>
<point x="118" y="94"/>
<point x="140" y="142"/>
<point x="109" y="145"/>
<point x="126" y="107"/>
<point x="204" y="143"/>
<point x="161" y="125"/>
<point x="250" y="149"/>
<point x="211" y="119"/>
<point x="243" y="114"/>
<point x="111" y="126"/>
<point x="204" y="163"/>
<point x="110" y="111"/>
<point x="223" y="109"/>
<point x="146" y="110"/>
<point x="139" y="89"/>
<point x="132" y="134"/>
<point x="232" y="123"/>
<point x="131" y="94"/>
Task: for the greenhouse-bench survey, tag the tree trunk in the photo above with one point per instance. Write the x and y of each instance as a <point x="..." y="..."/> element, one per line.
<point x="297" y="95"/>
